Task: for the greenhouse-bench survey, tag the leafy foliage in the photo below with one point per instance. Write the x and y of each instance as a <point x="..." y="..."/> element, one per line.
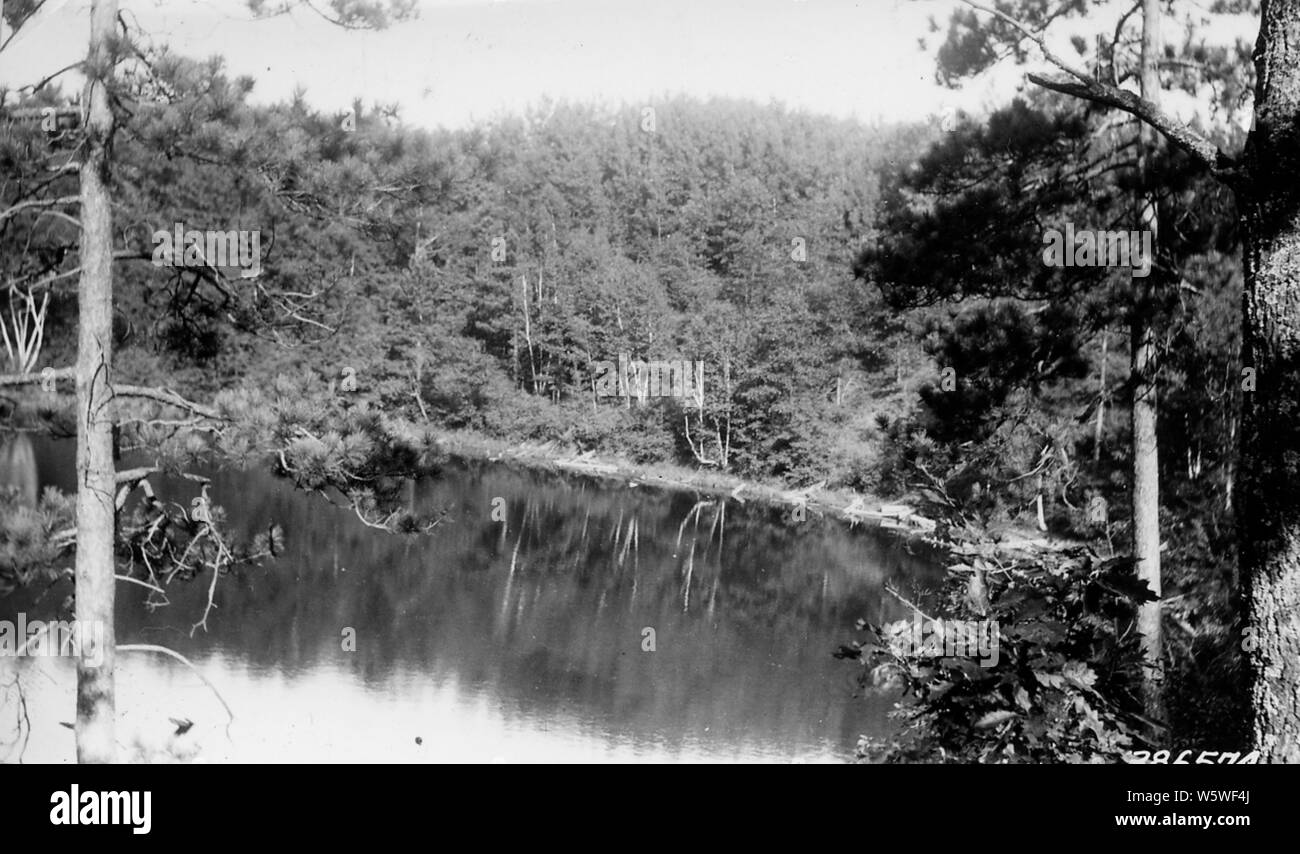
<point x="1064" y="684"/>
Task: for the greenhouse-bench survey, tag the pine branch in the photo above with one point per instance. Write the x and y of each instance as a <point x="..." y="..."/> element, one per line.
<point x="1089" y="88"/>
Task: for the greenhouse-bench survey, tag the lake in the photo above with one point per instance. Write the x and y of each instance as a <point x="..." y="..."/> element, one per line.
<point x="595" y="623"/>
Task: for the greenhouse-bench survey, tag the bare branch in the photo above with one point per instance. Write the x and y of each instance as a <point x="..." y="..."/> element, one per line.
<point x="892" y="592"/>
<point x="31" y="12"/>
<point x="12" y="380"/>
<point x="167" y="396"/>
<point x="222" y="552"/>
<point x="162" y="650"/>
<point x="22" y="720"/>
<point x="38" y="204"/>
<point x="1114" y="42"/>
<point x="131" y="477"/>
<point x="36" y="87"/>
<point x="384" y="524"/>
<point x="146" y="584"/>
<point x="121" y="254"/>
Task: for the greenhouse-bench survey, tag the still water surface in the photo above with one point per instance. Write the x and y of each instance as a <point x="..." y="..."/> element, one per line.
<point x="512" y="641"/>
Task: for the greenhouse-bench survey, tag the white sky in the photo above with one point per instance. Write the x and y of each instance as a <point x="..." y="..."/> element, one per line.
<point x="463" y="60"/>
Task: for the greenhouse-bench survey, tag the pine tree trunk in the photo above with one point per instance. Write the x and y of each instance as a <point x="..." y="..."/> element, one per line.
<point x="1100" y="426"/>
<point x="1146" y="512"/>
<point x="95" y="470"/>
<point x="1146" y="460"/>
<point x="1268" y="484"/>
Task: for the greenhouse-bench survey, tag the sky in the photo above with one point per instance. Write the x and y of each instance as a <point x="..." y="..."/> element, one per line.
<point x="462" y="61"/>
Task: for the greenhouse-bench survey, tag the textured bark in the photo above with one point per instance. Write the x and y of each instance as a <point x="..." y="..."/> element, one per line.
<point x="95" y="470"/>
<point x="1146" y="461"/>
<point x="1268" y="485"/>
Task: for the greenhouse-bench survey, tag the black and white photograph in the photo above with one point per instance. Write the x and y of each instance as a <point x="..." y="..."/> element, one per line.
<point x="649" y="382"/>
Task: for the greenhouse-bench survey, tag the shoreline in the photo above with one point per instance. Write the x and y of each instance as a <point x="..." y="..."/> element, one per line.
<point x="844" y="505"/>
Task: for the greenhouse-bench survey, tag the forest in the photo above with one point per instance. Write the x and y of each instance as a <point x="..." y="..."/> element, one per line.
<point x="869" y="305"/>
